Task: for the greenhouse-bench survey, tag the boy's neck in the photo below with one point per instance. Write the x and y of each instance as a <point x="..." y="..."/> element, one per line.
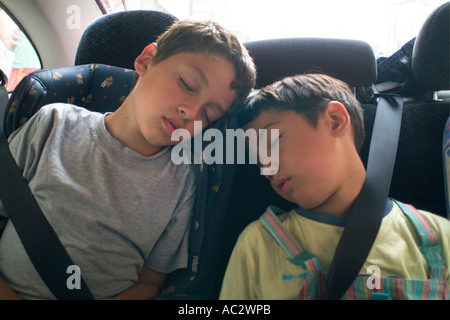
<point x="121" y="128"/>
<point x="343" y="202"/>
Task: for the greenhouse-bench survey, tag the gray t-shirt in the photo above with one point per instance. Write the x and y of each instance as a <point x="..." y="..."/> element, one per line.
<point x="113" y="209"/>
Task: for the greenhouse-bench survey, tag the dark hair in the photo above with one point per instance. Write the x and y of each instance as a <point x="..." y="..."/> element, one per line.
<point x="309" y="95"/>
<point x="212" y="38"/>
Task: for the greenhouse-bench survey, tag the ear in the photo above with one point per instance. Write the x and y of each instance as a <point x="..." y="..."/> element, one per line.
<point x="337" y="117"/>
<point x="144" y="60"/>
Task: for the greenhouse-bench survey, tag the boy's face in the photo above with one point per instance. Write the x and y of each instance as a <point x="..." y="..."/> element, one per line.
<point x="311" y="172"/>
<point x="179" y="90"/>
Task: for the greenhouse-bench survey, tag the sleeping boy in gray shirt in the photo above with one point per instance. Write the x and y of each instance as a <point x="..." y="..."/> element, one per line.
<point x="106" y="182"/>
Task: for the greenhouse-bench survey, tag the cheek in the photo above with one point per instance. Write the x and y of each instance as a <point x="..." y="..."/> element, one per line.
<point x="157" y="92"/>
<point x="311" y="167"/>
<point x="194" y="128"/>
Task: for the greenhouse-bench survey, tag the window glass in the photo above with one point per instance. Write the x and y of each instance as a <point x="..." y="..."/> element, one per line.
<point x="385" y="24"/>
<point x="17" y="55"/>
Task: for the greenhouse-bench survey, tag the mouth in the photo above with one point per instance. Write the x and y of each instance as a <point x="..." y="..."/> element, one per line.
<point x="282" y="184"/>
<point x="171" y="125"/>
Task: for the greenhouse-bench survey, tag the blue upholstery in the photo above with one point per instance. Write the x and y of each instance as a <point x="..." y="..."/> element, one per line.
<point x="95" y="87"/>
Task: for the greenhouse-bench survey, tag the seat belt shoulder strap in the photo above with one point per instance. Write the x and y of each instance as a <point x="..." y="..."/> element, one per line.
<point x="367" y="212"/>
<point x="39" y="239"/>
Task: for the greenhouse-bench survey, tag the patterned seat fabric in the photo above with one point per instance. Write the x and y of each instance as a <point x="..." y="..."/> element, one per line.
<point x="95" y="87"/>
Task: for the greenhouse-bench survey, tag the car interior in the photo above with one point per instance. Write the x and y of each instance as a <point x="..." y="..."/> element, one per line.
<point x="234" y="195"/>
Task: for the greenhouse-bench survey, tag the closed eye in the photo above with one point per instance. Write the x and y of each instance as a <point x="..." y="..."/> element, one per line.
<point x="185" y="85"/>
<point x="277" y="139"/>
<point x="273" y="139"/>
<point x="206" y="116"/>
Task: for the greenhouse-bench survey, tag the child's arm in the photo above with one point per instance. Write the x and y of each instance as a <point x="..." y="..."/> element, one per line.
<point x="147" y="286"/>
<point x="6" y="293"/>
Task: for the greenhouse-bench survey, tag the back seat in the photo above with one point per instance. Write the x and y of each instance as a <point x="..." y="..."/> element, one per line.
<point x="231" y="196"/>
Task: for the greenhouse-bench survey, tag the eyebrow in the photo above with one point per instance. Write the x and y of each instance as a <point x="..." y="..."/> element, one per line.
<point x="270" y="124"/>
<point x="267" y="126"/>
<point x="200" y="73"/>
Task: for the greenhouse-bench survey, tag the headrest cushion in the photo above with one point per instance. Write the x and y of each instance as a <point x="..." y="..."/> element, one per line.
<point x="430" y="58"/>
<point x="118" y="38"/>
<point x="352" y="61"/>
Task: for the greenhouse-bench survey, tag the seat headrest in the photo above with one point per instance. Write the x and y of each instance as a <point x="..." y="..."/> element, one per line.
<point x="118" y="38"/>
<point x="352" y="61"/>
<point x="430" y="58"/>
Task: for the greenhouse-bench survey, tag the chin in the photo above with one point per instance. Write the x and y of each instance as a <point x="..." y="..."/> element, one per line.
<point x="308" y="204"/>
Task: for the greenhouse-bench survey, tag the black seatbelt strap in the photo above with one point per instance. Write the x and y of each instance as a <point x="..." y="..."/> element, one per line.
<point x="39" y="239"/>
<point x="367" y="213"/>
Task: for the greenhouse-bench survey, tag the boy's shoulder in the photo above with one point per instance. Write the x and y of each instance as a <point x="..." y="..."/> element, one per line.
<point x="434" y="220"/>
<point x="426" y="220"/>
<point x="64" y="115"/>
<point x="55" y="112"/>
<point x="52" y="118"/>
<point x="254" y="232"/>
<point x="438" y="223"/>
<point x="62" y="109"/>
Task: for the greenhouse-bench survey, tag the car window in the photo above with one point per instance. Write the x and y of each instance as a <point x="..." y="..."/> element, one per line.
<point x="17" y="54"/>
<point x="385" y="24"/>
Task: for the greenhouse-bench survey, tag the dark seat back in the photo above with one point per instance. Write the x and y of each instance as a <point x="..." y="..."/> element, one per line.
<point x="118" y="38"/>
<point x="349" y="60"/>
<point x="418" y="173"/>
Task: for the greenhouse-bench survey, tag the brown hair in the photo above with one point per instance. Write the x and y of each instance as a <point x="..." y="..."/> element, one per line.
<point x="212" y="38"/>
<point x="309" y="95"/>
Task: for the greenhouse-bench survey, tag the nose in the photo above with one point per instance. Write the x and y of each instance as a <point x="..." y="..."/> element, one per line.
<point x="190" y="112"/>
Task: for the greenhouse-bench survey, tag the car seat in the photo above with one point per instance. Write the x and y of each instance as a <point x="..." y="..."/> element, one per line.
<point x="418" y="176"/>
<point x="95" y="87"/>
<point x="118" y="38"/>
